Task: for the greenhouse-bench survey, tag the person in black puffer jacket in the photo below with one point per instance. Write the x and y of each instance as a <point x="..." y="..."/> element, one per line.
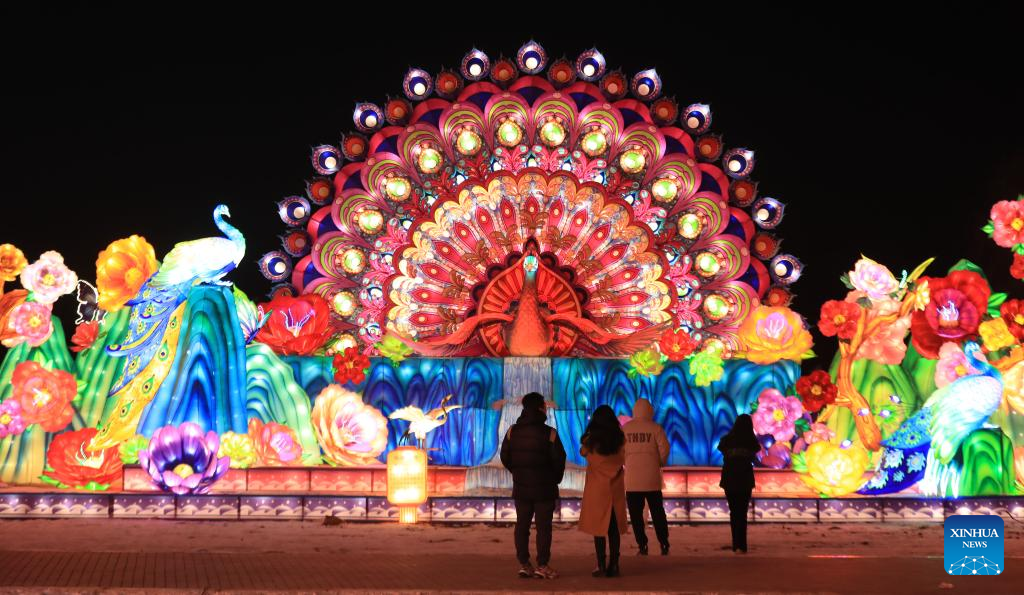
<point x="534" y="454"/>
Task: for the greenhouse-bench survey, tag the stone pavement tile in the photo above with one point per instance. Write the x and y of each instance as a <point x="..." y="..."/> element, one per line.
<point x="195" y="572"/>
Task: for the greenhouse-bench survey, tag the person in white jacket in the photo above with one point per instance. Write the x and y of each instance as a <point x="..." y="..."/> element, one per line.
<point x="646" y="453"/>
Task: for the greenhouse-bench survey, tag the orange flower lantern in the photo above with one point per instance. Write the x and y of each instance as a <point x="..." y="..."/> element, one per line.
<point x="407" y="481"/>
<point x="122" y="269"/>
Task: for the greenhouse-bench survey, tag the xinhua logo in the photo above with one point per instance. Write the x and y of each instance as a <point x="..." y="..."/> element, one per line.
<point x="973" y="544"/>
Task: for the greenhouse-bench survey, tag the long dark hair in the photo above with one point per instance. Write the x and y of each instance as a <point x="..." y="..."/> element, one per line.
<point x="742" y="433"/>
<point x="604" y="434"/>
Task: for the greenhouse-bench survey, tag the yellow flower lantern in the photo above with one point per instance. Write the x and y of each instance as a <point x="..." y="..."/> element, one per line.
<point x="407" y="481"/>
<point x="833" y="470"/>
<point x="995" y="334"/>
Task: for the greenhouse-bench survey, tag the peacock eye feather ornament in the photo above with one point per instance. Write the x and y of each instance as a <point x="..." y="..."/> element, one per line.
<point x="448" y="84"/>
<point x="397" y="111"/>
<point x="296" y="243"/>
<point x="490" y="210"/>
<point x="319" y="191"/>
<point x="767" y="212"/>
<point x="294" y="210"/>
<point x="503" y="72"/>
<point x="646" y="85"/>
<point x="561" y="73"/>
<point x="786" y="269"/>
<point x="275" y="266"/>
<point x="418" y="84"/>
<point x="326" y="159"/>
<point x="367" y="117"/>
<point x="738" y="163"/>
<point x="614" y="85"/>
<point x="696" y="118"/>
<point x="664" y="111"/>
<point x="353" y="146"/>
<point x="531" y="58"/>
<point x="590" y="65"/>
<point x="475" y="65"/>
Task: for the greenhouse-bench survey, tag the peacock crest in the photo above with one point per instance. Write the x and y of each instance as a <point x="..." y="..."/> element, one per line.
<point x="638" y="216"/>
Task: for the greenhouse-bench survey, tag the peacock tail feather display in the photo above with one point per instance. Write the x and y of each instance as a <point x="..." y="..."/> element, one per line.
<point x="904" y="456"/>
<point x="122" y="421"/>
<point x="639" y="214"/>
<point x="927" y="447"/>
<point x="151" y="312"/>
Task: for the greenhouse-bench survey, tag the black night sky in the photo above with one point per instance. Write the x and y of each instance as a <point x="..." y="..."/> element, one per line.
<point x="876" y="143"/>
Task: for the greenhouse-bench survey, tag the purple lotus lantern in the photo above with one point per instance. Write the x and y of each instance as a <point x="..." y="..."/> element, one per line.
<point x="181" y="459"/>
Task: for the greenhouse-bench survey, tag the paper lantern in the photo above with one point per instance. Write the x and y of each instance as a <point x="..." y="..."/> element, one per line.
<point x="407" y="481"/>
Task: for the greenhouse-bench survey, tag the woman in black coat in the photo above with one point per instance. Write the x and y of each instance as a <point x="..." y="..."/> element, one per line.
<point x="739" y="448"/>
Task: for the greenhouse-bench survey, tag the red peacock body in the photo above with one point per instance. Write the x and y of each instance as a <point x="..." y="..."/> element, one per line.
<point x="500" y="212"/>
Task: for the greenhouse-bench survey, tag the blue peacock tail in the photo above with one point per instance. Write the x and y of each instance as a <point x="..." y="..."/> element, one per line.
<point x="904" y="457"/>
<point x="151" y="309"/>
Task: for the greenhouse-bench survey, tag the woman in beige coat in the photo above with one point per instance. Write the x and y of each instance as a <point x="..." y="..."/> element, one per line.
<point x="604" y="495"/>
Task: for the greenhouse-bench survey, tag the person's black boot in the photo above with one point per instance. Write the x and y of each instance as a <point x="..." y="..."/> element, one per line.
<point x="602" y="567"/>
<point x="613" y="567"/>
<point x="643" y="550"/>
<point x="664" y="549"/>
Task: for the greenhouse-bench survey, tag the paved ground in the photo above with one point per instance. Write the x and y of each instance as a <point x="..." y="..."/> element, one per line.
<point x="195" y="556"/>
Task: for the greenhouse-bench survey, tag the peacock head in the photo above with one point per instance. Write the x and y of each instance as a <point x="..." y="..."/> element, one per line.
<point x="530" y="264"/>
<point x="973" y="351"/>
<point x="221" y="211"/>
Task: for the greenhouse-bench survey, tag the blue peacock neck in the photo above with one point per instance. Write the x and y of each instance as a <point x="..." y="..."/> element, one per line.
<point x="230" y="231"/>
<point x="980" y="363"/>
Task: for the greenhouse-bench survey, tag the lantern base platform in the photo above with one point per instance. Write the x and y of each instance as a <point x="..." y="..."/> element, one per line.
<point x="49" y="503"/>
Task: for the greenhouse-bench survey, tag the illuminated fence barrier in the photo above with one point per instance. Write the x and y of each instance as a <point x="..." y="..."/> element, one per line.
<point x="479" y="509"/>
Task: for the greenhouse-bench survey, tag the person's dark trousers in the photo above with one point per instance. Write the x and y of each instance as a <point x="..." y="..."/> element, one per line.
<point x="656" y="502"/>
<point x="739" y="502"/>
<point x="526" y="510"/>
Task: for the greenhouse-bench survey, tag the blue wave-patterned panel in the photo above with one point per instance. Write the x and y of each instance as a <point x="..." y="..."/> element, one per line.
<point x="471" y="435"/>
<point x="695" y="418"/>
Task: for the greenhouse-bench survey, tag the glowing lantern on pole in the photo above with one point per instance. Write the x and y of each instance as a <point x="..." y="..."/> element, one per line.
<point x="407" y="481"/>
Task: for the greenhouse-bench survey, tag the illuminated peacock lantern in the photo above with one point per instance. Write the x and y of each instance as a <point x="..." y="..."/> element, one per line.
<point x="498" y="199"/>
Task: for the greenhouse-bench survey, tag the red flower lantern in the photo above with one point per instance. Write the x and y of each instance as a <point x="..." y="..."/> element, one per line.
<point x="44" y="395"/>
<point x="839" y="319"/>
<point x="958" y="302"/>
<point x="85" y="335"/>
<point x="1017" y="268"/>
<point x="350" y="366"/>
<point x="71" y="464"/>
<point x="1012" y="312"/>
<point x="275" y="445"/>
<point x="677" y="344"/>
<point x="816" y="390"/>
<point x="298" y="325"/>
